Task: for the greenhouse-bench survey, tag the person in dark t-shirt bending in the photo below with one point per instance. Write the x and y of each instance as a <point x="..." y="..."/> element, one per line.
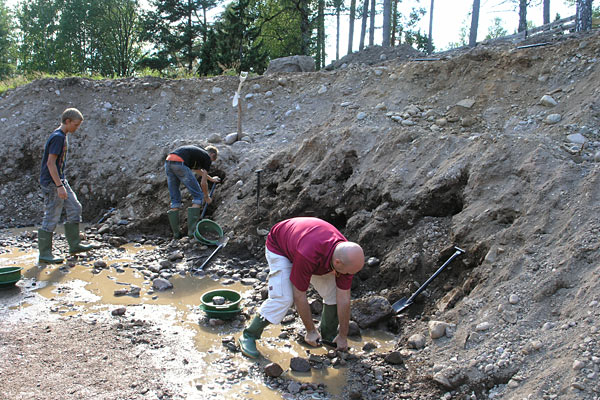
<point x="181" y="166"/>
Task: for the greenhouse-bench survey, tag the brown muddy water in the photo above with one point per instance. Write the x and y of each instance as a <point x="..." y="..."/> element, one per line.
<point x="72" y="290"/>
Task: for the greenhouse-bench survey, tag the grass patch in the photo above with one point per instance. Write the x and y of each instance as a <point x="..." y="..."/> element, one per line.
<point x="11" y="83"/>
<point x="21" y="80"/>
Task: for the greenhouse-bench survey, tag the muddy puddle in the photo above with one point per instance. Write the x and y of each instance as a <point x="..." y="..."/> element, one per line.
<point x="76" y="289"/>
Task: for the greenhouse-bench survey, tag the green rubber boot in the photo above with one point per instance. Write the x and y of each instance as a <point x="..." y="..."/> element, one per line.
<point x="193" y="217"/>
<point x="174" y="221"/>
<point x="72" y="235"/>
<point x="250" y="335"/>
<point x="329" y="322"/>
<point x="45" y="247"/>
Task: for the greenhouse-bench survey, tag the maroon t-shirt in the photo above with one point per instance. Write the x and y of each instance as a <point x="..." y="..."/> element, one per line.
<point x="308" y="243"/>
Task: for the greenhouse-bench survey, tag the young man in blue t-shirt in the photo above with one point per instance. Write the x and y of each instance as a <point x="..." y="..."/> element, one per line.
<point x="57" y="192"/>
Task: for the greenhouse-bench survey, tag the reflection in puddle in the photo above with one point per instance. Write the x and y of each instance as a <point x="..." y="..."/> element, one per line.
<point x="81" y="290"/>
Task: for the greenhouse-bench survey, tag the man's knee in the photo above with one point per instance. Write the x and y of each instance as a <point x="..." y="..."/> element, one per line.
<point x="275" y="309"/>
<point x="75" y="208"/>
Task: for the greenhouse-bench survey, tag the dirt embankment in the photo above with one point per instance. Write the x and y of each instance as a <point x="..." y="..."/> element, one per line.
<point x="407" y="158"/>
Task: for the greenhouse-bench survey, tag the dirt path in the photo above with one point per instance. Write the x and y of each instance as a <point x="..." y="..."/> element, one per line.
<point x="75" y="359"/>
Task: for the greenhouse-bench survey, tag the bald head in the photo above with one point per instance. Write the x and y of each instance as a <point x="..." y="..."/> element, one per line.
<point x="348" y="258"/>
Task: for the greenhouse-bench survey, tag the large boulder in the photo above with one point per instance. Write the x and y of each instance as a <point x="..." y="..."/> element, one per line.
<point x="369" y="311"/>
<point x="291" y="64"/>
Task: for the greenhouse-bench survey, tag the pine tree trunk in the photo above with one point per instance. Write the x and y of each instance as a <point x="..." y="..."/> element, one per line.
<point x="318" y="42"/>
<point x="323" y="53"/>
<point x="305" y="31"/>
<point x="363" y="30"/>
<point x="321" y="34"/>
<point x="522" y="16"/>
<point x="190" y="42"/>
<point x="430" y="41"/>
<point x="205" y="30"/>
<point x="394" y="22"/>
<point x="372" y="24"/>
<point x="337" y="34"/>
<point x="387" y="13"/>
<point x="474" y="24"/>
<point x="583" y="15"/>
<point x="351" y="27"/>
<point x="546" y="12"/>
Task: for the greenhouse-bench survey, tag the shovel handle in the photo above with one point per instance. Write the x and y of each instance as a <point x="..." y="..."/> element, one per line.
<point x="211" y="256"/>
<point x="457" y="253"/>
<point x="212" y="190"/>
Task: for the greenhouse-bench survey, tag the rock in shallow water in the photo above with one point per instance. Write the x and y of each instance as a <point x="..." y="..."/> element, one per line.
<point x="161" y="284"/>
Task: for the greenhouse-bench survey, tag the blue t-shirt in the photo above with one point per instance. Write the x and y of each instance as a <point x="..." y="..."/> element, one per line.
<point x="57" y="144"/>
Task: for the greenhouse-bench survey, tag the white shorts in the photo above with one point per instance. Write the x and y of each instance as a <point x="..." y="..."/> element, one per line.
<point x="281" y="294"/>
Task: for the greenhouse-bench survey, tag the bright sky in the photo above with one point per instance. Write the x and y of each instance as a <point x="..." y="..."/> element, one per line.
<point x="448" y="18"/>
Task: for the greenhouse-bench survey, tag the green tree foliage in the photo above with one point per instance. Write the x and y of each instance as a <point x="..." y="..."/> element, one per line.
<point x="279" y="25"/>
<point x="245" y="36"/>
<point x="305" y="11"/>
<point x="417" y="40"/>
<point x="496" y="30"/>
<point x="38" y="25"/>
<point x="406" y="29"/>
<point x="271" y="29"/>
<point x="79" y="36"/>
<point x="77" y="31"/>
<point x="7" y="42"/>
<point x="205" y="6"/>
<point x="119" y="37"/>
<point x="176" y="30"/>
<point x="238" y="44"/>
<point x="209" y="59"/>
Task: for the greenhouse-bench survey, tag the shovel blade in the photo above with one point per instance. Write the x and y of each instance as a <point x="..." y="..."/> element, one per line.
<point x="220" y="244"/>
<point x="223" y="241"/>
<point x="401" y="304"/>
<point x="329" y="343"/>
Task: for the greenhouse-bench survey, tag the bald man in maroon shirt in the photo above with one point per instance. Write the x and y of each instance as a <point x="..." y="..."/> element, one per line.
<point x="300" y="252"/>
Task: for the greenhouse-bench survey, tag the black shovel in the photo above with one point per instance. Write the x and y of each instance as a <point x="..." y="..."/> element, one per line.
<point x="212" y="190"/>
<point x="220" y="244"/>
<point x="404" y="302"/>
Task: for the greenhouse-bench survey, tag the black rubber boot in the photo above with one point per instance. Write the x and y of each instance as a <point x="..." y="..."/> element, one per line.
<point x="72" y="234"/>
<point x="329" y="322"/>
<point x="174" y="222"/>
<point x="193" y="217"/>
<point x="45" y="248"/>
<point x="250" y="335"/>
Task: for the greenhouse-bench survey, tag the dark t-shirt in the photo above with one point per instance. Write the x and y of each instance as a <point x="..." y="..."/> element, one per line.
<point x="308" y="243"/>
<point x="57" y="144"/>
<point x="194" y="157"/>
